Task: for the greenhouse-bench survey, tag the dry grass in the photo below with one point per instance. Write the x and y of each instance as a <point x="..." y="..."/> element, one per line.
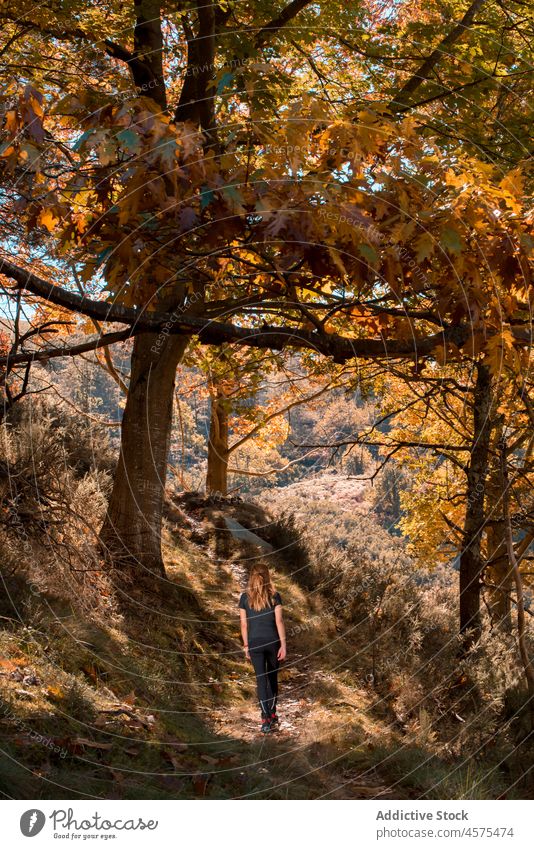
<point x="158" y="701"/>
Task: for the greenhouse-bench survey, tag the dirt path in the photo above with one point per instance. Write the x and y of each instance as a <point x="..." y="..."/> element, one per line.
<point x="313" y="706"/>
<point x="303" y="728"/>
<point x="294" y="708"/>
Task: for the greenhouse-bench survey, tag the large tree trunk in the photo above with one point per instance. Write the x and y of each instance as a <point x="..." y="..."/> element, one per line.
<point x="471" y="561"/>
<point x="218" y="451"/>
<point x="131" y="533"/>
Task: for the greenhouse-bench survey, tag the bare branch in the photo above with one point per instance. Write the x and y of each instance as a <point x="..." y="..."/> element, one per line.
<point x="44" y="354"/>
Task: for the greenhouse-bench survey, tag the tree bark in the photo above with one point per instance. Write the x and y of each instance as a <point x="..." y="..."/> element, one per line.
<point x="518" y="580"/>
<point x="499" y="576"/>
<point x="131" y="533"/>
<point x="218" y="448"/>
<point x="471" y="561"/>
<point x="147" y="66"/>
<point x="497" y="573"/>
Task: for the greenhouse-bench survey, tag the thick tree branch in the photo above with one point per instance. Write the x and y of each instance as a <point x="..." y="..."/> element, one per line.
<point x="197" y="95"/>
<point x="401" y="101"/>
<point x="114" y="50"/>
<point x="280" y="412"/>
<point x="186" y="109"/>
<point x="401" y="443"/>
<point x="280" y="21"/>
<point x="339" y="348"/>
<point x="148" y="51"/>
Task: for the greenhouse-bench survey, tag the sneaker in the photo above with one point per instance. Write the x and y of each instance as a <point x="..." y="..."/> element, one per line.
<point x="265" y="725"/>
<point x="274" y="720"/>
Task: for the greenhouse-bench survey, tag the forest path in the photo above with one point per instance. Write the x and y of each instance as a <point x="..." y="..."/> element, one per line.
<point x="316" y="710"/>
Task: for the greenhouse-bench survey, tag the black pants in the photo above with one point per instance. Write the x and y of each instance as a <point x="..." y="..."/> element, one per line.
<point x="265" y="663"/>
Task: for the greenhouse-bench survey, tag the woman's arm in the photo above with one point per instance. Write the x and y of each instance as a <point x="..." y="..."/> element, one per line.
<point x="244" y="631"/>
<point x="281" y="628"/>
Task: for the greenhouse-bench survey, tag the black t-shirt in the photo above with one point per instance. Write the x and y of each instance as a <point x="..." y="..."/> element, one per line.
<point x="262" y="630"/>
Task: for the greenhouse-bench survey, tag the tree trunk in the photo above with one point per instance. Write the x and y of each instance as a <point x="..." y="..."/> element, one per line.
<point x="522" y="637"/>
<point x="471" y="562"/>
<point x="498" y="574"/>
<point x="131" y="533"/>
<point x="500" y="578"/>
<point x="218" y="451"/>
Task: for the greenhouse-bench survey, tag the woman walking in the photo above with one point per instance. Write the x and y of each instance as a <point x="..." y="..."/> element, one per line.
<point x="264" y="639"/>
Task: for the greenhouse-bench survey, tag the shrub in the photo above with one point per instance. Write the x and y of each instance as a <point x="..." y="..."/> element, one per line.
<point x="51" y="505"/>
<point x="401" y="622"/>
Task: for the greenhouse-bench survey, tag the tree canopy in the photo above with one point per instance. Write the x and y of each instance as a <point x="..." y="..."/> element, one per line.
<point x="191" y="170"/>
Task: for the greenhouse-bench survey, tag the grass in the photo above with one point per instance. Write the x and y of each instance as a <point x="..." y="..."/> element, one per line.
<point x="152" y="701"/>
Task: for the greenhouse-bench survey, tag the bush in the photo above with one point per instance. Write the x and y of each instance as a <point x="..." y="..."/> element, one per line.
<point x="401" y="621"/>
<point x="52" y="501"/>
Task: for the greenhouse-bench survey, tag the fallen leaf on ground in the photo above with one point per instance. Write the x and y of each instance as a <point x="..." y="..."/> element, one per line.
<point x="200" y="784"/>
<point x="10" y="664"/>
<point x="55" y="693"/>
<point x="173" y="760"/>
<point x="209" y="759"/>
<point x="179" y="745"/>
<point x="130" y="699"/>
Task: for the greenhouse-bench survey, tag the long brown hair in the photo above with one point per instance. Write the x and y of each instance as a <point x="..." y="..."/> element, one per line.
<point x="260" y="589"/>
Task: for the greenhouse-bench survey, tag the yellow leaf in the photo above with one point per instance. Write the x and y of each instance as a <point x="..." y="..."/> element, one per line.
<point x="456" y="180"/>
<point x="513" y="183"/>
<point x="48" y="219"/>
<point x="10" y="664"/>
<point x="55" y="693"/>
<point x="12" y="121"/>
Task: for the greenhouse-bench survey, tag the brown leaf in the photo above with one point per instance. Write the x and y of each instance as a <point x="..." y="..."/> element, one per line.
<point x="200" y="783"/>
<point x="93" y="671"/>
<point x="440" y="354"/>
<point x="10" y="664"/>
<point x="11" y="121"/>
<point x="209" y="759"/>
<point x="130" y="699"/>
<point x="173" y="759"/>
<point x="55" y="693"/>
